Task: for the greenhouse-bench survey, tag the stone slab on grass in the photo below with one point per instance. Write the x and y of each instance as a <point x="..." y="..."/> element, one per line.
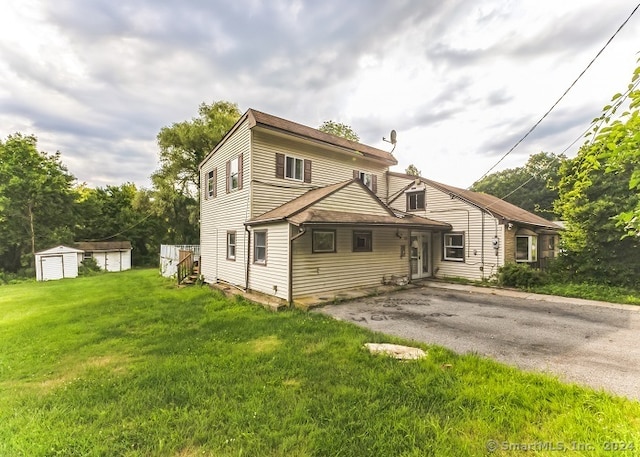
<point x="396" y="350"/>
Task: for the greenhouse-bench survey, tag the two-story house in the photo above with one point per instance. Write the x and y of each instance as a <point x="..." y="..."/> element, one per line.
<point x="290" y="211"/>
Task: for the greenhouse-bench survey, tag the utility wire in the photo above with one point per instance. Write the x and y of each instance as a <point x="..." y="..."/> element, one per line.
<point x="563" y="95"/>
<point x="612" y="109"/>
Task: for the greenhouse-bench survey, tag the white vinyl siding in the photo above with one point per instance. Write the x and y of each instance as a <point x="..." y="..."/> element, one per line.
<point x="481" y="260"/>
<point x="272" y="278"/>
<point x="327" y="167"/>
<point x="344" y="269"/>
<point x="227" y="212"/>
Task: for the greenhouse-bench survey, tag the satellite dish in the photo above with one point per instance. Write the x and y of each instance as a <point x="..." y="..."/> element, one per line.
<point x="393" y="139"/>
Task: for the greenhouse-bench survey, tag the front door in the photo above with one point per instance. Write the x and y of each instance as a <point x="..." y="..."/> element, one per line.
<point x="420" y="255"/>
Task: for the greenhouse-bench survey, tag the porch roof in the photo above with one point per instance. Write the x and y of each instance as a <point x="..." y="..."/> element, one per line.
<point x="325" y="217"/>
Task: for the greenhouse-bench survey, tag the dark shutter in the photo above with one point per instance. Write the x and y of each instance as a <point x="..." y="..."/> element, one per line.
<point x="356" y="174"/>
<point x="240" y="172"/>
<point x="279" y="165"/>
<point x="215" y="182"/>
<point x="307" y="170"/>
<point x="374" y="183"/>
<point x="228" y="175"/>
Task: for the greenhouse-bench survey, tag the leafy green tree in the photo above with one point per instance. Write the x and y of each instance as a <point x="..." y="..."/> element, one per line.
<point x="36" y="201"/>
<point x="532" y="187"/>
<point x="617" y="149"/>
<point x="185" y="144"/>
<point x="339" y="129"/>
<point x="412" y="170"/>
<point x="176" y="184"/>
<point x="118" y="213"/>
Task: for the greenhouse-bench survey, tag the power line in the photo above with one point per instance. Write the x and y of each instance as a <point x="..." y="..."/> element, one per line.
<point x="563" y="95"/>
<point x="611" y="109"/>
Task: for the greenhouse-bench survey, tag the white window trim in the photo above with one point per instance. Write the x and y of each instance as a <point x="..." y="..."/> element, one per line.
<point x="324" y="251"/>
<point x="416" y="193"/>
<point x="234" y="163"/>
<point x="295" y="161"/>
<point x="234" y="244"/>
<point x="363" y="176"/>
<point x="532" y="249"/>
<point x="210" y="183"/>
<point x="447" y="236"/>
<point x="256" y="246"/>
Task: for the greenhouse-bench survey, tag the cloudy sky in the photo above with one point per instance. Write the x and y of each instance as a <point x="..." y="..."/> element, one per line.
<point x="460" y="81"/>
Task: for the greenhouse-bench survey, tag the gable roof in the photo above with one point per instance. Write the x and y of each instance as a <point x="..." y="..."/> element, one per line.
<point x="300" y="211"/>
<point x="493" y="205"/>
<point x="103" y="245"/>
<point x="59" y="250"/>
<point x="259" y="119"/>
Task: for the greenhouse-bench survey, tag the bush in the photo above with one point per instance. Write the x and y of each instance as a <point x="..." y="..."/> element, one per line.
<point x="520" y="275"/>
<point x="88" y="267"/>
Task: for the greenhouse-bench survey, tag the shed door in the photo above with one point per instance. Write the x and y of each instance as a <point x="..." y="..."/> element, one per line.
<point x="113" y="261"/>
<point x="52" y="267"/>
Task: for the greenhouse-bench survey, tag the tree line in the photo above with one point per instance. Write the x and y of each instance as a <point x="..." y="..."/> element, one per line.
<point x="596" y="194"/>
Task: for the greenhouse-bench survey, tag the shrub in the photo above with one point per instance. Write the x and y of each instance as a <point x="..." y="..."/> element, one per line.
<point x="520" y="275"/>
<point x="88" y="267"/>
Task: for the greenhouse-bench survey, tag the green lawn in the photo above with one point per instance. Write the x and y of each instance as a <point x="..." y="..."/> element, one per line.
<point x="127" y="364"/>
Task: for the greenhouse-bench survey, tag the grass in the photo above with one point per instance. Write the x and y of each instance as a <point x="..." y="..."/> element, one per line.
<point x="127" y="364"/>
<point x="613" y="294"/>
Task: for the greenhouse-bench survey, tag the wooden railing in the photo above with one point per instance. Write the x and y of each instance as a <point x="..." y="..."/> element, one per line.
<point x="185" y="267"/>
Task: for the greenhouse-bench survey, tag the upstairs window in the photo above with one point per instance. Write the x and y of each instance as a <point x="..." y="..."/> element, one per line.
<point x="234" y="174"/>
<point x="294" y="168"/>
<point x="368" y="179"/>
<point x="211" y="183"/>
<point x="416" y="201"/>
<point x="289" y="167"/>
<point x="454" y="246"/>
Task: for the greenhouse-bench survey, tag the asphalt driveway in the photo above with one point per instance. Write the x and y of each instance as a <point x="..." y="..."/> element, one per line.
<point x="590" y="343"/>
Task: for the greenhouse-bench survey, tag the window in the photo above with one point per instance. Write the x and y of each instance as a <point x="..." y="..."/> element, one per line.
<point x="362" y="242"/>
<point x="211" y="184"/>
<point x="87" y="255"/>
<point x="416" y="201"/>
<point x="234" y="182"/>
<point x="231" y="245"/>
<point x="294" y="168"/>
<point x="454" y="246"/>
<point x="324" y="241"/>
<point x="526" y="248"/>
<point x="260" y="247"/>
<point x="368" y="179"/>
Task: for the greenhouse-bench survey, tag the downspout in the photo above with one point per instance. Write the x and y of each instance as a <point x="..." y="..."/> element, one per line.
<point x="482" y="247"/>
<point x="302" y="231"/>
<point x="246" y="286"/>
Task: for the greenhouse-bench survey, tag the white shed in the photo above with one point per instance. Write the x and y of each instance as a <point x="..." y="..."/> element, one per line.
<point x="57" y="263"/>
<point x="109" y="255"/>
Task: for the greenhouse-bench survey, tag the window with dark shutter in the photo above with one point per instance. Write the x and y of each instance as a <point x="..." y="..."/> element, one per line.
<point x="307" y="170"/>
<point x="240" y="167"/>
<point x="279" y="165"/>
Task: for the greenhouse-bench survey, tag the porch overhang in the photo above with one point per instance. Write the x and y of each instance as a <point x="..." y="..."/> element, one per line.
<point x="326" y="217"/>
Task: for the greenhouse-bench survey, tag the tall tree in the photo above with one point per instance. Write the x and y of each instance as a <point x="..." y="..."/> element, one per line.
<point x="176" y="184"/>
<point x="412" y="170"/>
<point x="532" y="187"/>
<point x="36" y="201"/>
<point x="616" y="149"/>
<point x="184" y="145"/>
<point x="339" y="129"/>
